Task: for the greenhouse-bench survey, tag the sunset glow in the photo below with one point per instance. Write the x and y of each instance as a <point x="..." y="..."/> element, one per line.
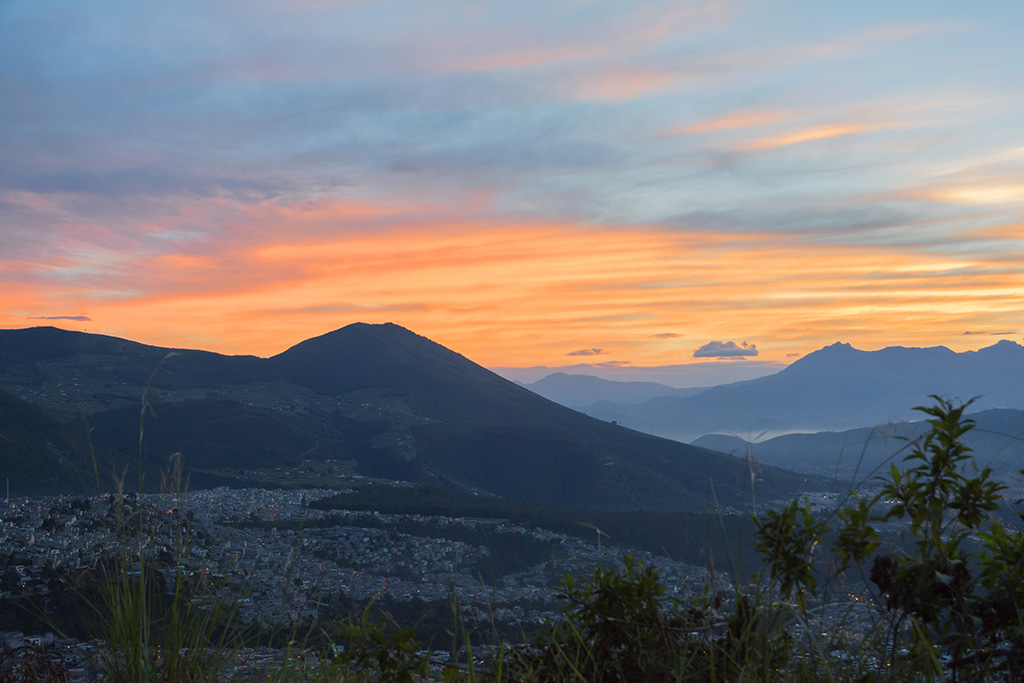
<point x="527" y="184"/>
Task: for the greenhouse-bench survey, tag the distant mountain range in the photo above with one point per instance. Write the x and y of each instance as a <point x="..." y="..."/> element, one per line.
<point x="376" y="399"/>
<point x="576" y="391"/>
<point x="997" y="440"/>
<point x="835" y="388"/>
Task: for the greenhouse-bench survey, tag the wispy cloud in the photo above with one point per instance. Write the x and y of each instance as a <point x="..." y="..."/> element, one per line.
<point x="79" y="318"/>
<point x="513" y="179"/>
<point x="882" y="34"/>
<point x="810" y="134"/>
<point x="731" y="121"/>
<point x="979" y="194"/>
<point x="999" y="333"/>
<point x="623" y="83"/>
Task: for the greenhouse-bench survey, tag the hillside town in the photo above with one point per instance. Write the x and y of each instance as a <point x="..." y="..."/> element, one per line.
<point x="284" y="563"/>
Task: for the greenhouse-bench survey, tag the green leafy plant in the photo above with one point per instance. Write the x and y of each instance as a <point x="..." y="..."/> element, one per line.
<point x="787" y="539"/>
<point x="951" y="592"/>
<point x="378" y="650"/>
<point x="620" y="626"/>
<point x="948" y="600"/>
<point x="941" y="587"/>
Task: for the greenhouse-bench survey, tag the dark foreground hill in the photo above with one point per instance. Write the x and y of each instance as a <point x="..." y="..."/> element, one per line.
<point x="42" y="456"/>
<point x="377" y="399"/>
<point x="835" y="388"/>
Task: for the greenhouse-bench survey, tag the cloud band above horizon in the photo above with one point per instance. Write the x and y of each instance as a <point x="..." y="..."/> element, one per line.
<point x="519" y="182"/>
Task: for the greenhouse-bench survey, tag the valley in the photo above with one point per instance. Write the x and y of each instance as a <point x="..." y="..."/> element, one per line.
<point x="373" y="469"/>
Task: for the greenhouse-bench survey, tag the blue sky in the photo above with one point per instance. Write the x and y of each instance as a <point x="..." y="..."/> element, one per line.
<point x="518" y="181"/>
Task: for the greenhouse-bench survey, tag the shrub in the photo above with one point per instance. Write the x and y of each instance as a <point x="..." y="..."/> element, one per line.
<point x="619" y="627"/>
<point x="948" y="609"/>
<point x="947" y="599"/>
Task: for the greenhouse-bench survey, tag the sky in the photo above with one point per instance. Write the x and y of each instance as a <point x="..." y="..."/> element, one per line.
<point x="616" y="185"/>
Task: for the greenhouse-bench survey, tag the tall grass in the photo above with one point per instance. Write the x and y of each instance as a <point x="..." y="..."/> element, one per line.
<point x="155" y="627"/>
<point x="151" y="627"/>
<point x="949" y="608"/>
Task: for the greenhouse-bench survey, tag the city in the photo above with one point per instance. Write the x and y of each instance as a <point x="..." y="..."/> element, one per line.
<point x="283" y="564"/>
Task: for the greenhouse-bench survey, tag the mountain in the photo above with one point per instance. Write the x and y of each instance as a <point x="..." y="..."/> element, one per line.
<point x="584" y="390"/>
<point x="835" y="388"/>
<point x="997" y="440"/>
<point x="378" y="400"/>
<point x="39" y="455"/>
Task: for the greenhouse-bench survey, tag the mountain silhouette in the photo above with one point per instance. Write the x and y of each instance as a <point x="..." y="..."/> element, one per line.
<point x="394" y="403"/>
<point x="583" y="390"/>
<point x="835" y="388"/>
<point x="39" y="455"/>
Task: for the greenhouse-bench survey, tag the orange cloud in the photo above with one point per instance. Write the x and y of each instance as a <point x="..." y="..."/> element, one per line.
<point x="523" y="293"/>
<point x="730" y="121"/>
<point x="618" y="83"/>
<point x="979" y="194"/>
<point x="811" y="133"/>
<point x="1012" y="232"/>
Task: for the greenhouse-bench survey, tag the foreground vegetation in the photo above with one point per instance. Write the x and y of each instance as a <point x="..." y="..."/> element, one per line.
<point x="943" y="603"/>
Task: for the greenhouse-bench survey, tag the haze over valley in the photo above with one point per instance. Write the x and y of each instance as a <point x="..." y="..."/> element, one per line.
<point x="835" y="388"/>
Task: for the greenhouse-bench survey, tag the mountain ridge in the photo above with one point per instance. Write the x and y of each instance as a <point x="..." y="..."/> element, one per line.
<point x="835" y="388"/>
<point x="997" y="440"/>
<point x="379" y="397"/>
<point x="574" y="390"/>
